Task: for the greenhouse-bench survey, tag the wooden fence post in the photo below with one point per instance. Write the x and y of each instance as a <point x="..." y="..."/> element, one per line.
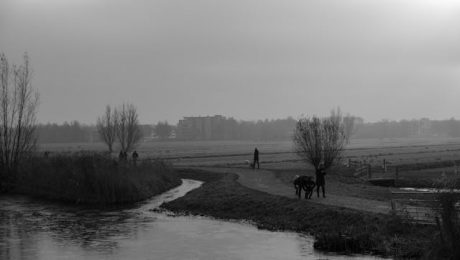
<point x="384" y="165"/>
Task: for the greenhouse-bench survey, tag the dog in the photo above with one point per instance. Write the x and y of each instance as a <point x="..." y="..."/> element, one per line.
<point x="251" y="164"/>
<point x="306" y="183"/>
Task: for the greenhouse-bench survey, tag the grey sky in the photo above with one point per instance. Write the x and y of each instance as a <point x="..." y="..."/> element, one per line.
<point x="242" y="58"/>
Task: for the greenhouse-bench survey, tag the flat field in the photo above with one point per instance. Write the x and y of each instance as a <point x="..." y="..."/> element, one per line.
<point x="279" y="154"/>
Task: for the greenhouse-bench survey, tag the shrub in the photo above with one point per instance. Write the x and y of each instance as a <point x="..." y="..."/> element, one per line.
<point x="93" y="178"/>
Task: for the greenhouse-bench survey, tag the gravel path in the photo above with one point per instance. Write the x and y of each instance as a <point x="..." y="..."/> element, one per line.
<point x="264" y="180"/>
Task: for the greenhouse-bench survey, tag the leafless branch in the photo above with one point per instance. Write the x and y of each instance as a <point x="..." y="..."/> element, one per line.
<point x="320" y="140"/>
<point x="18" y="109"/>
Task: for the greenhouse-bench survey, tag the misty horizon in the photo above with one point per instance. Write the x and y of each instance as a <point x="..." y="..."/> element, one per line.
<point x="375" y="59"/>
<point x="253" y="120"/>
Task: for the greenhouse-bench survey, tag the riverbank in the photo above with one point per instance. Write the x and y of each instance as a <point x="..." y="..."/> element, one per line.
<point x="335" y="229"/>
<point x="91" y="178"/>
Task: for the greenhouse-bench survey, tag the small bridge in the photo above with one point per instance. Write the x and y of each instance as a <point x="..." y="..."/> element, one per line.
<point x="381" y="175"/>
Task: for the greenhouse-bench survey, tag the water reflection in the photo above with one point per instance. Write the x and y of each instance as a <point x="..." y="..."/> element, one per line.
<point x="31" y="229"/>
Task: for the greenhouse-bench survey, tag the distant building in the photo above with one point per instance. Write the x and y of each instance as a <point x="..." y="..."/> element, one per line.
<point x="425" y="127"/>
<point x="200" y="128"/>
<point x="420" y="127"/>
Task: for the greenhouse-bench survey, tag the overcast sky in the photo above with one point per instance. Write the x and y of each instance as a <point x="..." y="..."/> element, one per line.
<point x="242" y="58"/>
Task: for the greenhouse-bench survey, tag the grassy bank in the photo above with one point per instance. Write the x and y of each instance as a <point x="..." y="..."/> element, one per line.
<point x="335" y="229"/>
<point x="93" y="179"/>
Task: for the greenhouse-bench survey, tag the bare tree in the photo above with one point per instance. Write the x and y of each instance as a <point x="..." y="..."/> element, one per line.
<point x="349" y="126"/>
<point x="18" y="109"/>
<point x="347" y="121"/>
<point x="128" y="131"/>
<point x="163" y="130"/>
<point x="106" y="127"/>
<point x="319" y="140"/>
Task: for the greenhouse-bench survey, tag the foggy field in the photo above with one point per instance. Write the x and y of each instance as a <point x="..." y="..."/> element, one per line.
<point x="280" y="153"/>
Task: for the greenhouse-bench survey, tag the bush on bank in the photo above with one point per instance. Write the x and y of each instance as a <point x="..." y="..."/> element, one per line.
<point x="92" y="178"/>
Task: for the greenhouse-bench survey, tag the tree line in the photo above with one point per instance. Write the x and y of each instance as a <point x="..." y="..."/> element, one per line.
<point x="73" y="132"/>
<point x="76" y="132"/>
<point x="265" y="130"/>
<point x="408" y="128"/>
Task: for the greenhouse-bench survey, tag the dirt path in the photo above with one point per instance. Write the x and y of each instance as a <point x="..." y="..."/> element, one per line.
<point x="264" y="180"/>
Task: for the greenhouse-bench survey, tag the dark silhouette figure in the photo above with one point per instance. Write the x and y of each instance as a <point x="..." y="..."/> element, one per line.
<point x="135" y="156"/>
<point x="122" y="156"/>
<point x="256" y="159"/>
<point x="320" y="181"/>
<point x="306" y="183"/>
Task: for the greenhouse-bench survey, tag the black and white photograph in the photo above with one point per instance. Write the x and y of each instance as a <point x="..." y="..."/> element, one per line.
<point x="229" y="129"/>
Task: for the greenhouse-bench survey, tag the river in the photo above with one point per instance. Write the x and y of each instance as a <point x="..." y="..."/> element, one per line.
<point x="34" y="229"/>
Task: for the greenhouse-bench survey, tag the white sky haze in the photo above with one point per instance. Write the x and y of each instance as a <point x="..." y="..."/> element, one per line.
<point x="247" y="59"/>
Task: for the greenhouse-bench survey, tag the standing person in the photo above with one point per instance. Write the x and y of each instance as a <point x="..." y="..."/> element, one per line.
<point x="135" y="156"/>
<point x="121" y="155"/>
<point x="256" y="159"/>
<point x="320" y="181"/>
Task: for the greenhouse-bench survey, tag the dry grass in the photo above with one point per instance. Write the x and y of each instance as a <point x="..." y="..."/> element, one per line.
<point x="93" y="178"/>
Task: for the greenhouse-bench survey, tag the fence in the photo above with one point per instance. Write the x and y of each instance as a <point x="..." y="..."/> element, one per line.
<point x="383" y="172"/>
<point x="416" y="206"/>
<point x="420" y="207"/>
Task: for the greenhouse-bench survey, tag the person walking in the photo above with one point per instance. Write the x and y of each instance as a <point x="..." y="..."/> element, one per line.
<point x="320" y="181"/>
<point x="256" y="159"/>
<point x="135" y="156"/>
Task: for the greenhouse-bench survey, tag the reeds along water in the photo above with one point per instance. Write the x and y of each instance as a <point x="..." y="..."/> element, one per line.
<point x="93" y="178"/>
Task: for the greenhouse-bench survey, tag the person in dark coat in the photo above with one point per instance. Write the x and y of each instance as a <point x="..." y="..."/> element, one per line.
<point x="256" y="159"/>
<point x="135" y="156"/>
<point x="320" y="181"/>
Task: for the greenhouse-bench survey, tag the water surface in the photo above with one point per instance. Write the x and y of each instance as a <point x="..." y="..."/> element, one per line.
<point x="33" y="229"/>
